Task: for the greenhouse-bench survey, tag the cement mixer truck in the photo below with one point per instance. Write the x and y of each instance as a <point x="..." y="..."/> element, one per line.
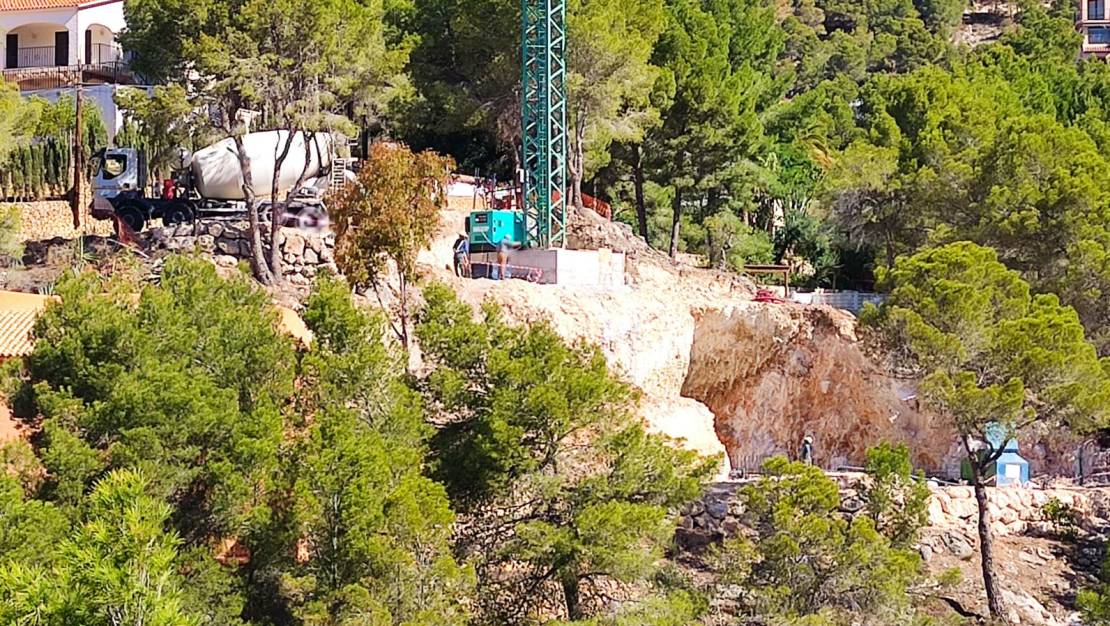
<point x="209" y="182"/>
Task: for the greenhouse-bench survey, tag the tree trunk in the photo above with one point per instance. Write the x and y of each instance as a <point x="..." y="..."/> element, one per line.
<point x="578" y="168"/>
<point x="404" y="297"/>
<point x="277" y="216"/>
<point x="258" y="259"/>
<point x="277" y="209"/>
<point x="638" y="185"/>
<point x="986" y="546"/>
<point x="676" y="223"/>
<point x="570" y="595"/>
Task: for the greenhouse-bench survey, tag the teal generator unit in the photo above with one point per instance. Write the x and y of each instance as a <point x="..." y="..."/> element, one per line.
<point x="489" y="228"/>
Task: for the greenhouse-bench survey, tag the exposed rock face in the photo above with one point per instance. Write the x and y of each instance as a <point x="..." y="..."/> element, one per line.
<point x="718" y="370"/>
<point x="774" y="373"/>
<point x="726" y="373"/>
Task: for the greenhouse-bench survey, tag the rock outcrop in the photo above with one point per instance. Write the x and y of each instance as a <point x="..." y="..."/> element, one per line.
<point x="775" y="373"/>
<point x="718" y="370"/>
<point x="1037" y="572"/>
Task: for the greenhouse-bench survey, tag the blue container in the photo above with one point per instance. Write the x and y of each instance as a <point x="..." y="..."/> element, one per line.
<point x="1010" y="468"/>
<point x="490" y="228"/>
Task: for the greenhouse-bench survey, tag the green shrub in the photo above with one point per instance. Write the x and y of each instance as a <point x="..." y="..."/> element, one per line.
<point x="1063" y="518"/>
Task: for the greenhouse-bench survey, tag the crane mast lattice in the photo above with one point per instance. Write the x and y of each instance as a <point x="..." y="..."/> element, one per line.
<point x="544" y="121"/>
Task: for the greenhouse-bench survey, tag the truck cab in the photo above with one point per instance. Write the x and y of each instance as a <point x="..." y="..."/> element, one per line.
<point x="118" y="170"/>
<point x="120" y="182"/>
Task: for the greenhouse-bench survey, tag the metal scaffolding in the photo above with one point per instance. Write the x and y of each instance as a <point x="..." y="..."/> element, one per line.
<point x="544" y="121"/>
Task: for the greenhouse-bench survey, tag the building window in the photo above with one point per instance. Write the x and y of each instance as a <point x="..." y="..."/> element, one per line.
<point x="1098" y="35"/>
<point x="1096" y="9"/>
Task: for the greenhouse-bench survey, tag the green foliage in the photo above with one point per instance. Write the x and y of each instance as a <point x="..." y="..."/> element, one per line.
<point x="37" y="163"/>
<point x="544" y="455"/>
<point x="609" y="77"/>
<point x="388" y="216"/>
<point x="804" y="563"/>
<point x="17" y="120"/>
<point x="678" y="608"/>
<point x="309" y="63"/>
<point x="1094" y="602"/>
<point x="805" y="244"/>
<point x="117" y="565"/>
<point x="711" y="91"/>
<point x="183" y="395"/>
<point x="159" y="124"/>
<point x="733" y="244"/>
<point x="994" y="358"/>
<point x="184" y="383"/>
<point x="11" y="245"/>
<point x="991" y="352"/>
<point x="897" y="498"/>
<point x="377" y="530"/>
<point x="951" y="577"/>
<point x="1063" y="518"/>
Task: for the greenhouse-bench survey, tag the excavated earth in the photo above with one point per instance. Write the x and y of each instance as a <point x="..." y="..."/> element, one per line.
<point x="718" y="370"/>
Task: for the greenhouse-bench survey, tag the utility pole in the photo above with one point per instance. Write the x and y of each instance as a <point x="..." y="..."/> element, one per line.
<point x="544" y="121"/>
<point x="78" y="153"/>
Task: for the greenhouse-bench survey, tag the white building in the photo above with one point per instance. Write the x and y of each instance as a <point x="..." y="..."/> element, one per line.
<point x="46" y="46"/>
<point x="1094" y="23"/>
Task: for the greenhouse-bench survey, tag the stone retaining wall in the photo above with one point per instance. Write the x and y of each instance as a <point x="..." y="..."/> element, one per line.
<point x="304" y="253"/>
<point x="1013" y="510"/>
<point x="49" y="219"/>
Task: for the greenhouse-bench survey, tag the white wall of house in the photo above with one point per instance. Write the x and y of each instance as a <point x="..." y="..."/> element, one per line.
<point x="36" y="28"/>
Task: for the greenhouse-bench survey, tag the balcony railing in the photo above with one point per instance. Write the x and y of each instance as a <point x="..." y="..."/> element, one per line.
<point x="104" y="54"/>
<point x="39" y="56"/>
<point x="66" y="76"/>
<point x="47" y="56"/>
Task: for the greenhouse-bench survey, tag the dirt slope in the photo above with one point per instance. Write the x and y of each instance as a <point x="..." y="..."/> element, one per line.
<point x="717" y="369"/>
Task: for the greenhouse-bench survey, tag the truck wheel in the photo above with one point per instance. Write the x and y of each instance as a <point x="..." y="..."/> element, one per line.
<point x="178" y="214"/>
<point x="133" y="217"/>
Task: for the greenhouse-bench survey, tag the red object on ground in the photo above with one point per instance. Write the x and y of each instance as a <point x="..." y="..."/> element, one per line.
<point x="601" y="207"/>
<point x="168" y="189"/>
<point x="766" y="295"/>
<point x="124" y="234"/>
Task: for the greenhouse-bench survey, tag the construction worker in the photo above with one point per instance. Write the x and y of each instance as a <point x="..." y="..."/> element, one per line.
<point x="503" y="250"/>
<point x="807" y="450"/>
<point x="462" y="256"/>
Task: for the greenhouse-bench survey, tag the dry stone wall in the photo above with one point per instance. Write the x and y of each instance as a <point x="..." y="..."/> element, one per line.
<point x="305" y="253"/>
<point x="39" y="221"/>
<point x="1014" y="510"/>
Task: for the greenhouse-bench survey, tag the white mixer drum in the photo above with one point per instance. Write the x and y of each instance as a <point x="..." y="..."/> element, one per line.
<point x="217" y="175"/>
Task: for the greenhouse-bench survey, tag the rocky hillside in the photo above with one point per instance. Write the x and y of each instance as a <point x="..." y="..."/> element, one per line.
<point x="718" y="370"/>
<point x="1024" y="542"/>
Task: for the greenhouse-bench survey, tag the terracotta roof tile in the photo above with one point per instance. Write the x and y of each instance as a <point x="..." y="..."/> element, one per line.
<point x="15" y="333"/>
<point x="17" y="317"/>
<point x="31" y="5"/>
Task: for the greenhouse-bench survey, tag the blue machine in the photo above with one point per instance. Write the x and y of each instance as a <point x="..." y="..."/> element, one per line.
<point x="490" y="228"/>
<point x="1010" y="468"/>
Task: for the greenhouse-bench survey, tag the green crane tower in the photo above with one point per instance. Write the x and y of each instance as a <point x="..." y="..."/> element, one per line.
<point x="544" y="121"/>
